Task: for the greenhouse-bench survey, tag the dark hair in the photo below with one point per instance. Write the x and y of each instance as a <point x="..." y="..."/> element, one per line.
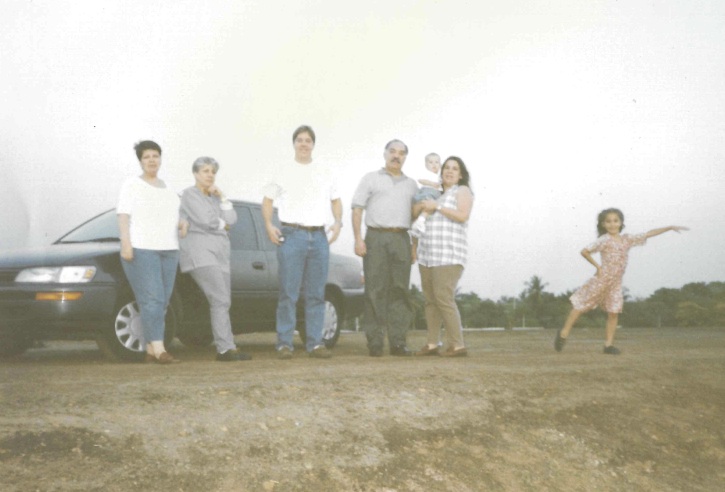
<point x="465" y="177"/>
<point x="143" y="145"/>
<point x="395" y="140"/>
<point x="602" y="217"/>
<point x="303" y="129"/>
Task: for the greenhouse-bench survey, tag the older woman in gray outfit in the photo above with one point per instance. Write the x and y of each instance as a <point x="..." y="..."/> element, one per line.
<point x="205" y="251"/>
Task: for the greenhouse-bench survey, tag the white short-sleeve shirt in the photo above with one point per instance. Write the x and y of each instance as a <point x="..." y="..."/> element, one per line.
<point x="303" y="192"/>
<point x="153" y="214"/>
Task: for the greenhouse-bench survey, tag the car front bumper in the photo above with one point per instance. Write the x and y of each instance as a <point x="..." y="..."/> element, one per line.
<point x="21" y="311"/>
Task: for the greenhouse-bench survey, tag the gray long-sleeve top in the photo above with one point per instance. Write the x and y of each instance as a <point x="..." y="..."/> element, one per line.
<point x="207" y="241"/>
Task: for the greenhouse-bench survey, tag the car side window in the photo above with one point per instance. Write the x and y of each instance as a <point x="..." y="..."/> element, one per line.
<point x="243" y="234"/>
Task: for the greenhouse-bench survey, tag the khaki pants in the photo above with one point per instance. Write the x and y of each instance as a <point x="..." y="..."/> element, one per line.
<point x="439" y="288"/>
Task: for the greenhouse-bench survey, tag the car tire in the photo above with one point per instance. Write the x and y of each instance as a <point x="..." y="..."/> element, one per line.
<point x="122" y="338"/>
<point x="12" y="344"/>
<point x="333" y="321"/>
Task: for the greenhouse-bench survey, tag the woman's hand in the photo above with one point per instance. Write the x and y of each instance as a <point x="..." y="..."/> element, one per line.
<point x="429" y="206"/>
<point x="183" y="228"/>
<point x="215" y="191"/>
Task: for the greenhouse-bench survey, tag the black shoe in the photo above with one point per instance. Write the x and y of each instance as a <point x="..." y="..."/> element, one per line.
<point x="376" y="352"/>
<point x="559" y="342"/>
<point x="612" y="350"/>
<point x="232" y="356"/>
<point x="400" y="351"/>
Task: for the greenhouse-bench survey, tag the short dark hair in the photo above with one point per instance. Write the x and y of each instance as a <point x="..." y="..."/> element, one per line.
<point x="395" y="140"/>
<point x="303" y="129"/>
<point x="603" y="216"/>
<point x="143" y="145"/>
<point x="465" y="177"/>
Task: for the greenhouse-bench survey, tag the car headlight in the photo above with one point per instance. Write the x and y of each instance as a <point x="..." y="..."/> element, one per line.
<point x="57" y="275"/>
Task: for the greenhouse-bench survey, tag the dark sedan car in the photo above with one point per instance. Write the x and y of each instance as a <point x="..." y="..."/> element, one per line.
<point x="76" y="288"/>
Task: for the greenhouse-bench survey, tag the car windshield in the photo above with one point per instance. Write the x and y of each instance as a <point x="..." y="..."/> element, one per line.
<point x="102" y="228"/>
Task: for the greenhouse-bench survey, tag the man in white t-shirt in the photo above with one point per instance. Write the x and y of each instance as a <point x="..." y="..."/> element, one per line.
<point x="305" y="191"/>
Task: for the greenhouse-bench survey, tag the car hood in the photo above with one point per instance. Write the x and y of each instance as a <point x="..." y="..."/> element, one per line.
<point x="56" y="254"/>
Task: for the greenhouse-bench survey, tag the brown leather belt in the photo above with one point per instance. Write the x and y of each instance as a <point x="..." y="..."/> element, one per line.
<point x="304" y="227"/>
<point x="388" y="229"/>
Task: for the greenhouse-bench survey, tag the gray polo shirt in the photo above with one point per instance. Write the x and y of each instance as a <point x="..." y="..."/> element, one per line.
<point x="387" y="199"/>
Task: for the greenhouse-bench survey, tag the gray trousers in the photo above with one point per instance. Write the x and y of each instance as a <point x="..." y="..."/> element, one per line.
<point x="217" y="287"/>
<point x="387" y="283"/>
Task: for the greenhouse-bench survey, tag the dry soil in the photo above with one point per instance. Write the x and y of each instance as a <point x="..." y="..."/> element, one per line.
<point x="514" y="415"/>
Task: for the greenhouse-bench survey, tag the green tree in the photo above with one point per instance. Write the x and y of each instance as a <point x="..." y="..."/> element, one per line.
<point x="692" y="314"/>
<point x="533" y="300"/>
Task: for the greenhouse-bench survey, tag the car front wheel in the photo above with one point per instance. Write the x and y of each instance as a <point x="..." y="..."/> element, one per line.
<point x="123" y="338"/>
<point x="332" y="324"/>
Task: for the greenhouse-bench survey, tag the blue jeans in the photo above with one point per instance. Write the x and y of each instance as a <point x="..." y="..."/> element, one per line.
<point x="151" y="274"/>
<point x="303" y="263"/>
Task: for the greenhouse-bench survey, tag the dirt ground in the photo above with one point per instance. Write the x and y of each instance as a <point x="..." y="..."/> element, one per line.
<point x="514" y="415"/>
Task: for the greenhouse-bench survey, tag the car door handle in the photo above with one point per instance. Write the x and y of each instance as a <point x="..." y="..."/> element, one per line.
<point x="258" y="265"/>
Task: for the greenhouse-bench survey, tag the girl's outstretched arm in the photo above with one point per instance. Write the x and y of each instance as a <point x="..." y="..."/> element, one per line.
<point x="662" y="230"/>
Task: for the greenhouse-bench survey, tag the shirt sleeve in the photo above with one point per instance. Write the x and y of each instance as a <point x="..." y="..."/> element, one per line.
<point x="228" y="213"/>
<point x="637" y="239"/>
<point x="198" y="213"/>
<point x="596" y="246"/>
<point x="272" y="191"/>
<point x="125" y="198"/>
<point x="362" y="193"/>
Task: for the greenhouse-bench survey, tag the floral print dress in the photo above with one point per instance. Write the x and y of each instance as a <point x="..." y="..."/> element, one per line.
<point x="605" y="290"/>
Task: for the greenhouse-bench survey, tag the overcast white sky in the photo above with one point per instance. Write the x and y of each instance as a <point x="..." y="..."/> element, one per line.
<point x="559" y="109"/>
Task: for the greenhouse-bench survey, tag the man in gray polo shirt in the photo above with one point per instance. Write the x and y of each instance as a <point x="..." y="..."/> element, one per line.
<point x="386" y="197"/>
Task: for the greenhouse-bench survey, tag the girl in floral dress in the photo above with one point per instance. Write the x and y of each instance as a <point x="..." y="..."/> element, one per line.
<point x="605" y="288"/>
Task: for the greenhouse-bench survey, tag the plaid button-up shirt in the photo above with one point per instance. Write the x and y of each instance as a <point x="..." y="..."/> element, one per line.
<point x="444" y="241"/>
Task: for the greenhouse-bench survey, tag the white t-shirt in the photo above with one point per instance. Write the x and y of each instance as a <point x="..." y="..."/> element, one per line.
<point x="303" y="192"/>
<point x="430" y="176"/>
<point x="153" y="213"/>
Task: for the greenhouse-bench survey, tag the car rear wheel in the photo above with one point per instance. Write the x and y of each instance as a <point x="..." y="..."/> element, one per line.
<point x="332" y="325"/>
<point x="14" y="344"/>
<point x="123" y="339"/>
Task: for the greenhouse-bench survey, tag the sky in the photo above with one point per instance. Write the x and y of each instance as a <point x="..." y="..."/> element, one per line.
<point x="559" y="109"/>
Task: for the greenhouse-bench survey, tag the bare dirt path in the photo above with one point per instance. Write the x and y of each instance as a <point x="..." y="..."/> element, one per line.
<point x="514" y="415"/>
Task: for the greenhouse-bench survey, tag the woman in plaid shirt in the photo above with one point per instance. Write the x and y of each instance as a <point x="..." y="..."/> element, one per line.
<point x="442" y="253"/>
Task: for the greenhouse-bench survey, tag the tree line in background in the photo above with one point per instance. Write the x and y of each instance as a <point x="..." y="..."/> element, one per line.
<point x="695" y="304"/>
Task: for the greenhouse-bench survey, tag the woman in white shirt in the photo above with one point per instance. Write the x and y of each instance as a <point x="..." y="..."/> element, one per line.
<point x="148" y="219"/>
